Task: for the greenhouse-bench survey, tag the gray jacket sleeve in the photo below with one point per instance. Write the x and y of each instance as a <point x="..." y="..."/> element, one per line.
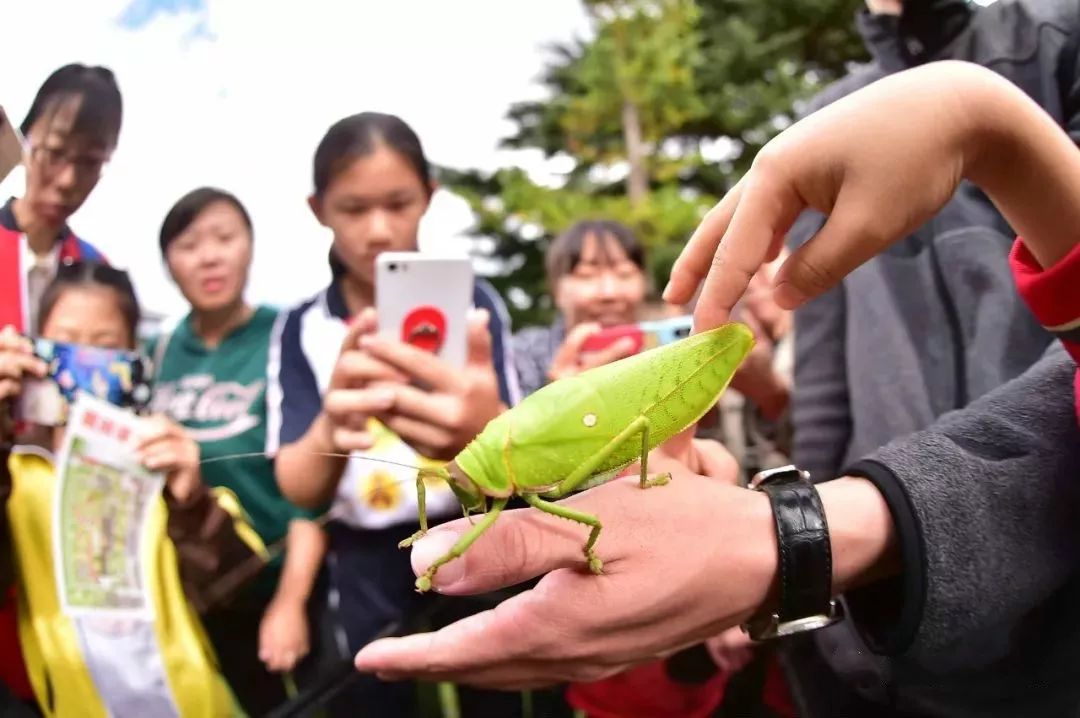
<point x="820" y="408"/>
<point x="987" y="508"/>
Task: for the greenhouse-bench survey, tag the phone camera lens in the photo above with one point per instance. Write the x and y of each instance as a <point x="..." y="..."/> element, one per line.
<point x="392" y="267"/>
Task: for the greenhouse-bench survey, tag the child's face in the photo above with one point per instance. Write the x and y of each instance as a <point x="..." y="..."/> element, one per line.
<point x="605" y="286"/>
<point x="88" y="315"/>
<point x="373" y="205"/>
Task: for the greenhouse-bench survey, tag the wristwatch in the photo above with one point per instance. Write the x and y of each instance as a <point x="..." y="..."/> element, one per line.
<point x="805" y="557"/>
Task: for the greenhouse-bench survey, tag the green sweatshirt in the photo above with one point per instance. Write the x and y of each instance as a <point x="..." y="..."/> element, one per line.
<point x="219" y="394"/>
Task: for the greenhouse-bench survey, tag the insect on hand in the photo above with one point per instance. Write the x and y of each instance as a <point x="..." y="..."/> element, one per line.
<point x="583" y="430"/>
<point x="580" y="432"/>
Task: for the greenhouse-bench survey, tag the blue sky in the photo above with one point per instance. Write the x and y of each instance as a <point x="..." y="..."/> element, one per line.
<point x="140" y="13"/>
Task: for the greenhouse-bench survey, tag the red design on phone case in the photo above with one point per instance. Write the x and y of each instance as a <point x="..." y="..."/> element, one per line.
<point x="424" y="328"/>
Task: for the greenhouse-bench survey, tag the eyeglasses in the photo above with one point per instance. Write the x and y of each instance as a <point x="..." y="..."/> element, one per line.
<point x="53" y="160"/>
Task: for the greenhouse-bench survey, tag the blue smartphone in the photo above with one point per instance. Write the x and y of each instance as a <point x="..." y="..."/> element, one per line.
<point x="119" y="377"/>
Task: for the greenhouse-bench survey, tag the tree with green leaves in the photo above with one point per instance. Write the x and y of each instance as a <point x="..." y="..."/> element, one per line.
<point x="661" y="111"/>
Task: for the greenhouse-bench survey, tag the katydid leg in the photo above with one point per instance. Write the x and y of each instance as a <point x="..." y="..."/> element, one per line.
<point x="586" y="471"/>
<point x="595" y="564"/>
<point x="646" y="482"/>
<point x="424" y="582"/>
<point x="421" y="505"/>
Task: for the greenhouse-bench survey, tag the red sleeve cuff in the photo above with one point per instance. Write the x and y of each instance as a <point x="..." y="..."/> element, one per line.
<point x="1052" y="294"/>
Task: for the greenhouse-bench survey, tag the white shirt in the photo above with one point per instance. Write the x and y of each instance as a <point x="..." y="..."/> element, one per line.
<point x="39" y="271"/>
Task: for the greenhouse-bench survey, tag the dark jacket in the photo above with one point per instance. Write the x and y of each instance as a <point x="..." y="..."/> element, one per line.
<point x="927" y="328"/>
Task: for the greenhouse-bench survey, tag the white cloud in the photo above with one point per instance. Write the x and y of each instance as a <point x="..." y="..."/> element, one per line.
<point x="239" y="96"/>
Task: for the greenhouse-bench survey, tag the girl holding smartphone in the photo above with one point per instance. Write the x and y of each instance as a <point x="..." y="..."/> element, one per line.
<point x="372" y="186"/>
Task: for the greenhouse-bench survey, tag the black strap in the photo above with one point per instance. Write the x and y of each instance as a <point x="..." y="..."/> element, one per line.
<point x="805" y="554"/>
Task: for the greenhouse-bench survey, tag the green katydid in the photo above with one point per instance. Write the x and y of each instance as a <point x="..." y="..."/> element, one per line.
<point x="582" y="430"/>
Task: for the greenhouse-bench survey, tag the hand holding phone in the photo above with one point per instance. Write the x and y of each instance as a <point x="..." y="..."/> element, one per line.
<point x="645" y="335"/>
<point x="121" y="378"/>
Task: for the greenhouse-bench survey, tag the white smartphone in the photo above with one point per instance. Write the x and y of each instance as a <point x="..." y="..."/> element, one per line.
<point x="11" y="145"/>
<point x="423" y="299"/>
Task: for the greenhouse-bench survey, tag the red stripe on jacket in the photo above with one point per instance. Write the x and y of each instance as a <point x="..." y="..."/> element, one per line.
<point x="13" y="275"/>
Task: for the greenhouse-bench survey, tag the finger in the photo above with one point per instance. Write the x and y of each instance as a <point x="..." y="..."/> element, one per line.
<point x="428" y="439"/>
<point x="348" y="440"/>
<point x="575" y="338"/>
<point x="362" y="324"/>
<point x="9" y="388"/>
<point x="477" y="642"/>
<point x="767" y="208"/>
<point x="521" y="545"/>
<point x="356" y="368"/>
<point x="411" y="361"/>
<point x="15" y="364"/>
<point x="11" y="340"/>
<point x="341" y="404"/>
<point x="154" y="428"/>
<point x="160" y="460"/>
<point x="693" y="262"/>
<point x="621" y="349"/>
<point x="429" y="407"/>
<point x="479" y="339"/>
<point x="568" y="356"/>
<point x="851" y="235"/>
<point x="680" y="446"/>
<point x="367" y="320"/>
<point x="751" y="320"/>
<point x="491" y="649"/>
<point x="286" y="661"/>
<point x="715" y="461"/>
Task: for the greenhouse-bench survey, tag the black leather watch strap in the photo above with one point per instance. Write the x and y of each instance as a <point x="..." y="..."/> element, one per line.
<point x="805" y="555"/>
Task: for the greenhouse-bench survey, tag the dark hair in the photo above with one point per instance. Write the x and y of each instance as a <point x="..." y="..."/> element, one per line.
<point x="564" y="252"/>
<point x="92" y="274"/>
<point x="100" y="110"/>
<point x="358" y="136"/>
<point x="190" y="206"/>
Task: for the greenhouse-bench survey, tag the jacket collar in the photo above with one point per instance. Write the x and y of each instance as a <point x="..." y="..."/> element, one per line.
<point x="8" y="221"/>
<point x="922" y="33"/>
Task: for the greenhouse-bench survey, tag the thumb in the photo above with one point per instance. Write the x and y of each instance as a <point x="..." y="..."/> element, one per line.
<point x="362" y="323"/>
<point x="522" y="544"/>
<point x="479" y="338"/>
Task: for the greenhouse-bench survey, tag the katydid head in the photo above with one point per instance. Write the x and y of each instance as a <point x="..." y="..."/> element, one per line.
<point x="466" y="491"/>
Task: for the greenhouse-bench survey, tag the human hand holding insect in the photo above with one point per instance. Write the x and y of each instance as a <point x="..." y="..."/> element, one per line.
<point x="681" y="565"/>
